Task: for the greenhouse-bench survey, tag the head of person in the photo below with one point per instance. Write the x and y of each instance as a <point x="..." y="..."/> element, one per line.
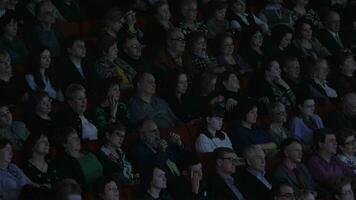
<point x="189" y="9"/>
<point x="197" y="44"/>
<point x="5" y="152"/>
<point x="291" y="68"/>
<point x="76" y="98"/>
<point x="114" y="19"/>
<point x="41" y="59"/>
<point x="342" y="189"/>
<point x="247" y="112"/>
<point x="115" y="135"/>
<point x="109" y="89"/>
<point x="149" y="133"/>
<point x="76" y="47"/>
<point x="332" y="21"/>
<point x="214" y="119"/>
<point x="218" y="10"/>
<point x="180" y="83"/>
<point x="8" y="24"/>
<point x="238" y="6"/>
<point x="272" y="69"/>
<point x="146" y="83"/>
<point x="225" y="44"/>
<point x="320" y="70"/>
<point x="130" y="17"/>
<point x="191" y="165"/>
<point x="108" y="48"/>
<point x="349" y="104"/>
<point x="225" y="160"/>
<point x="278" y="113"/>
<point x="325" y="141"/>
<point x="41" y="103"/>
<point x="5" y="64"/>
<point x="68" y="189"/>
<point x="283" y="191"/>
<point x="292" y="150"/>
<point x="132" y="47"/>
<point x="306" y="106"/>
<point x="230" y="81"/>
<point x="304" y="29"/>
<point x="69" y="139"/>
<point x="37" y="144"/>
<point x="175" y="41"/>
<point x="207" y="83"/>
<point x="107" y="188"/>
<point x="154" y="177"/>
<point x="346" y="63"/>
<point x="5" y="115"/>
<point x="281" y="35"/>
<point x="346" y="140"/>
<point x="252" y="37"/>
<point x="255" y="157"/>
<point x="45" y="12"/>
<point x="161" y="10"/>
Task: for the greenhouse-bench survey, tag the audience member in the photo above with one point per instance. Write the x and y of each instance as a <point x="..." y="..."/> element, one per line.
<point x="155" y="183"/>
<point x="346" y="143"/>
<point x="279" y="45"/>
<point x="345" y="116"/>
<point x="275" y="13"/>
<point x="217" y="22"/>
<point x="345" y="81"/>
<point x="276" y="129"/>
<point x="283" y="191"/>
<point x="107" y="188"/>
<point x="146" y="105"/>
<point x="67" y="189"/>
<point x="130" y="28"/>
<point x="113" y="22"/>
<point x="189" y="24"/>
<point x="343" y="190"/>
<point x="251" y="47"/>
<point x="70" y="10"/>
<point x="302" y="10"/>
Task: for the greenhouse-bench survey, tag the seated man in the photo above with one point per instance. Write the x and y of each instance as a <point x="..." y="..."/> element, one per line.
<point x="283" y="191"/>
<point x="222" y="184"/>
<point x="291" y="170"/>
<point x="346" y="116"/>
<point x="324" y="167"/>
<point x="146" y="105"/>
<point x="343" y="190"/>
<point x="150" y="149"/>
<point x="253" y="178"/>
<point x="291" y="74"/>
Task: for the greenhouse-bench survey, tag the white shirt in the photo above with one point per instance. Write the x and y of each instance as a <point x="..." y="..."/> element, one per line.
<point x="48" y="87"/>
<point x="328" y="90"/>
<point x="89" y="130"/>
<point x="203" y="144"/>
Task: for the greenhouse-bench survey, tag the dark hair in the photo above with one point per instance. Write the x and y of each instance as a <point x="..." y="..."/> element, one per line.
<point x="104" y="87"/>
<point x="147" y="175"/>
<point x="113" y="127"/>
<point x="276" y="189"/>
<point x="221" y="151"/>
<point x="105" y="44"/>
<point x="204" y="82"/>
<point x="4" y="142"/>
<point x="267" y="64"/>
<point x="299" y="26"/>
<point x="342" y="57"/>
<point x="219" y="39"/>
<point x="217" y="5"/>
<point x="101" y="182"/>
<point x="301" y="99"/>
<point x="339" y="183"/>
<point x="287" y="142"/>
<point x="320" y="136"/>
<point x="112" y="15"/>
<point x="66" y="187"/>
<point x="36" y="98"/>
<point x="36" y="66"/>
<point x="288" y="59"/>
<point x="213" y="111"/>
<point x="244" y="108"/>
<point x="6" y="19"/>
<point x="225" y="77"/>
<point x="343" y="134"/>
<point x="139" y="77"/>
<point x="31" y="142"/>
<point x="248" y="33"/>
<point x="31" y="192"/>
<point x="193" y="38"/>
<point x="62" y="135"/>
<point x="278" y="32"/>
<point x="71" y="40"/>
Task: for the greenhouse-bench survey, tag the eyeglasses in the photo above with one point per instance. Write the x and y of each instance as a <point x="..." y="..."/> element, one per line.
<point x="231" y="159"/>
<point x="179" y="39"/>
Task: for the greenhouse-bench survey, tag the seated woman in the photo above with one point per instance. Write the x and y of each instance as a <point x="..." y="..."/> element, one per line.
<point x="217" y="22"/>
<point x="346" y="141"/>
<point x="110" y="108"/>
<point x="271" y="87"/>
<point x="306" y="122"/>
<point x="10" y="41"/>
<point x="12" y="178"/>
<point x="302" y="10"/>
<point x="177" y="96"/>
<point x="344" y="81"/>
<point x="189" y="24"/>
<point x="107" y="188"/>
<point x="212" y="136"/>
<point x="113" y="158"/>
<point x="319" y="87"/>
<point x="251" y="46"/>
<point x="227" y="56"/>
<point x="280" y="40"/>
<point x="130" y="28"/>
<point x="83" y="167"/>
<point x="40" y="119"/>
<point x="155" y="183"/>
<point x="108" y="65"/>
<point x="113" y="22"/>
<point x="41" y="76"/>
<point x="41" y="171"/>
<point x="276" y="128"/>
<point x="245" y="134"/>
<point x="305" y="46"/>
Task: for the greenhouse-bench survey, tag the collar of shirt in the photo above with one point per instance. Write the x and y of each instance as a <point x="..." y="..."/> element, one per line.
<point x="256" y="173"/>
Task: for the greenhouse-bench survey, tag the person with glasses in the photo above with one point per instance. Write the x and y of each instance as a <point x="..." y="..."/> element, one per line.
<point x="254" y="178"/>
<point x="151" y="149"/>
<point x="292" y="170"/>
<point x="222" y="183"/>
<point x="347" y="147"/>
<point x="283" y="191"/>
<point x="343" y="189"/>
<point x="276" y="129"/>
<point x="113" y="158"/>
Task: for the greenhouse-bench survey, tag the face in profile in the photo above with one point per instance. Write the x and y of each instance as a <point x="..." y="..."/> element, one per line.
<point x="159" y="179"/>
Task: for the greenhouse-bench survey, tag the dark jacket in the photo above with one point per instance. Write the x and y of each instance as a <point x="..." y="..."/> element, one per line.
<point x="249" y="184"/>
